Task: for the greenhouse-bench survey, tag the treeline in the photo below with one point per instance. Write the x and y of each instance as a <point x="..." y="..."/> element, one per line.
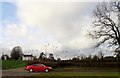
<point x="105" y="62"/>
<point x="98" y="61"/>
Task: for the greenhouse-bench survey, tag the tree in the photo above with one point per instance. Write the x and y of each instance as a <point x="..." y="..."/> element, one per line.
<point x="2" y="57"/>
<point x="118" y="53"/>
<point x="16" y="53"/>
<point x="101" y="55"/>
<point x="95" y="57"/>
<point x="7" y="57"/>
<point x="51" y="57"/>
<point x="106" y="27"/>
<point x="58" y="59"/>
<point x="42" y="56"/>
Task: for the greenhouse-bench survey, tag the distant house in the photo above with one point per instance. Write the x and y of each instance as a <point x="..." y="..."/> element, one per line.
<point x="27" y="57"/>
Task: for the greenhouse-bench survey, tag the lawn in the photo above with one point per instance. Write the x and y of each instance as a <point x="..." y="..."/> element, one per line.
<point x="79" y="75"/>
<point x="78" y="72"/>
<point x="9" y="64"/>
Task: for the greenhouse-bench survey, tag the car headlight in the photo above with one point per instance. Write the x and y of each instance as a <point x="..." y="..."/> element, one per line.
<point x="50" y="67"/>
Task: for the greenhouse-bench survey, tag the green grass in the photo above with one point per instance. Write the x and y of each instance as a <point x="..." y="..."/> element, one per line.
<point x="74" y="77"/>
<point x="79" y="74"/>
<point x="9" y="64"/>
<point x="84" y="68"/>
<point x="0" y="63"/>
<point x="76" y="72"/>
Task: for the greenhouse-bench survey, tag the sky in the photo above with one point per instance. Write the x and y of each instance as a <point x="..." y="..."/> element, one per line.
<point x="53" y="27"/>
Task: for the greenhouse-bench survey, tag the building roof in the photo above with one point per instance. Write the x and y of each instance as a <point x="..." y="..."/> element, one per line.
<point x="28" y="55"/>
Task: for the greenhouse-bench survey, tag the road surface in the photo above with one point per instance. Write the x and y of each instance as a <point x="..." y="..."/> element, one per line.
<point x="17" y="72"/>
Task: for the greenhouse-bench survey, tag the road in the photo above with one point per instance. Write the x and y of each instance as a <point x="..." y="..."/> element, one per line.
<point x="17" y="72"/>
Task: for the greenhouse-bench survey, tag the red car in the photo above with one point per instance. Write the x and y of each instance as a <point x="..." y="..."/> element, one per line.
<point x="38" y="67"/>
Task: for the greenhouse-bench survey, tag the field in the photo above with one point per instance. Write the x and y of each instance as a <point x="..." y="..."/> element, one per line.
<point x="79" y="75"/>
<point x="9" y="64"/>
<point x="78" y="72"/>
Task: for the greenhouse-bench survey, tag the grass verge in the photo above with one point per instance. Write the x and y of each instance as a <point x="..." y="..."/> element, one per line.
<point x="79" y="74"/>
<point x="9" y="64"/>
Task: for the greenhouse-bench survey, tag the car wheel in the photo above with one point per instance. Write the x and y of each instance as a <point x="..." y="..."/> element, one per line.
<point x="46" y="70"/>
<point x="31" y="70"/>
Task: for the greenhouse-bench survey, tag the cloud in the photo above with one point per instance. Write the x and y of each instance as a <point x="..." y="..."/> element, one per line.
<point x="57" y="1"/>
<point x="14" y="30"/>
<point x="64" y="21"/>
<point x="59" y="24"/>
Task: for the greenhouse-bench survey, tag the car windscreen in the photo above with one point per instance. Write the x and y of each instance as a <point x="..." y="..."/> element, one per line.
<point x="38" y="64"/>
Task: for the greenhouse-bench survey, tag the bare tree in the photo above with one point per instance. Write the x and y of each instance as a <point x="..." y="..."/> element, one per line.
<point x="106" y="27"/>
<point x="101" y="55"/>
